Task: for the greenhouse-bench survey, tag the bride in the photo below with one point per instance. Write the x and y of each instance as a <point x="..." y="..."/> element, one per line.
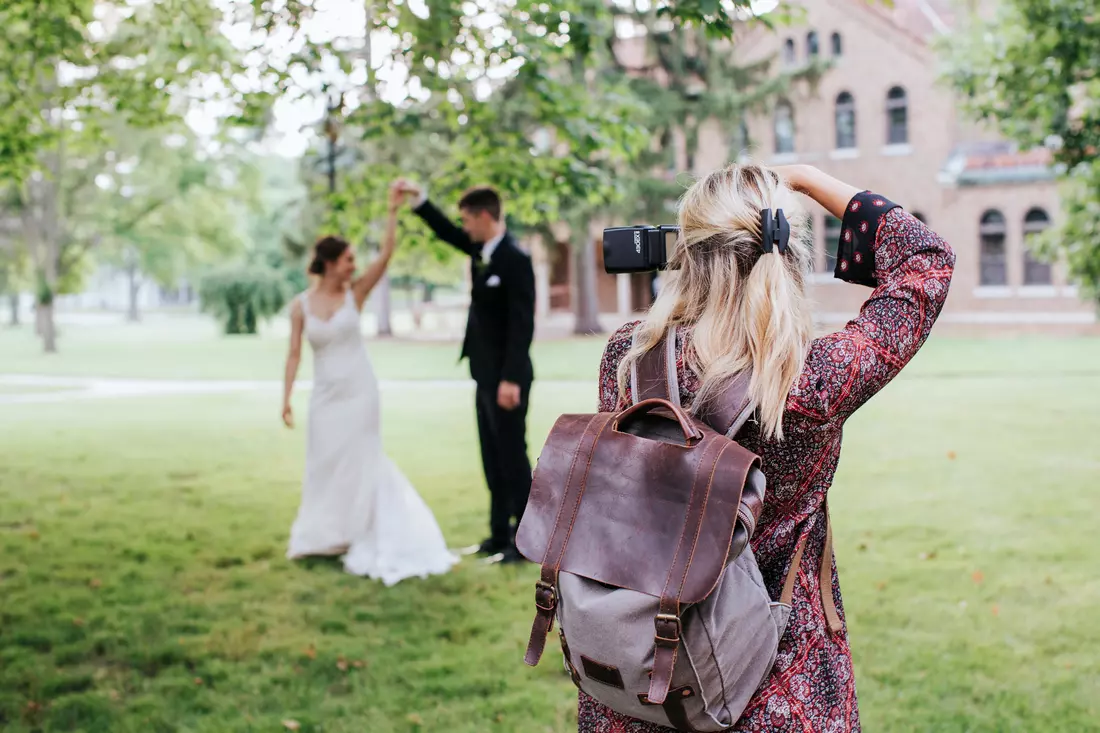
<point x="355" y="501"/>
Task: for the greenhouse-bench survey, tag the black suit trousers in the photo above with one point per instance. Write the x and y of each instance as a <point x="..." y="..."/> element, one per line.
<point x="503" y="435"/>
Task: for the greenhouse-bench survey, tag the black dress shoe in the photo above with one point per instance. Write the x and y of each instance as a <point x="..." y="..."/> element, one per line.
<point x="511" y="555"/>
<point x="491" y="547"/>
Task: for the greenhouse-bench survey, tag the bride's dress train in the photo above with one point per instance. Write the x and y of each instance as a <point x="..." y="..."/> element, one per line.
<point x="355" y="500"/>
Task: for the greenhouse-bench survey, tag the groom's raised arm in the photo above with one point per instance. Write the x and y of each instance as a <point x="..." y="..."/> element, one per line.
<point x="444" y="228"/>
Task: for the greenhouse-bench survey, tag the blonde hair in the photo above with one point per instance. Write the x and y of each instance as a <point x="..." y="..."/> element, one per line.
<point x="748" y="309"/>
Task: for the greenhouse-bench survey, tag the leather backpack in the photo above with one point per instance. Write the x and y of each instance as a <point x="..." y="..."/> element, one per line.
<point x="641" y="521"/>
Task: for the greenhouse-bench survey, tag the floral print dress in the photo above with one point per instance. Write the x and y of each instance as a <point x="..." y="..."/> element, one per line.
<point x="811" y="688"/>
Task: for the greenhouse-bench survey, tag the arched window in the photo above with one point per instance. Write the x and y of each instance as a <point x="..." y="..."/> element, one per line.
<point x="837" y="44"/>
<point x="788" y="52"/>
<point x="812" y="48"/>
<point x="832" y="241"/>
<point x="1035" y="271"/>
<point x="897" y="117"/>
<point x="784" y="127"/>
<point x="993" y="264"/>
<point x="845" y="121"/>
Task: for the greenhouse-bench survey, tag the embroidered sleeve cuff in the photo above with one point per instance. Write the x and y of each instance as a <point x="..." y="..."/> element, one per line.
<point x="855" y="262"/>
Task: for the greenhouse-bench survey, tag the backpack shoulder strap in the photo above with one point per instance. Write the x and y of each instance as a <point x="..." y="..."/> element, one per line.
<point x="654" y="374"/>
<point x="729" y="411"/>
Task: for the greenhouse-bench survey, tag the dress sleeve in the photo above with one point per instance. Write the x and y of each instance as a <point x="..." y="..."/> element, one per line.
<point x="613" y="354"/>
<point x="910" y="268"/>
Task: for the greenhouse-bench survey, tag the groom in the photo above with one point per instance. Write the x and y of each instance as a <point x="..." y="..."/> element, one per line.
<point x="499" y="330"/>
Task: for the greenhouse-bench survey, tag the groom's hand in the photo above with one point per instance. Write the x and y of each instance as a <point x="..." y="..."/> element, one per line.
<point x="508" y="395"/>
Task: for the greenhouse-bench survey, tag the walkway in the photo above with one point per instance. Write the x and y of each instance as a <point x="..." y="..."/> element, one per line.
<point x="64" y="389"/>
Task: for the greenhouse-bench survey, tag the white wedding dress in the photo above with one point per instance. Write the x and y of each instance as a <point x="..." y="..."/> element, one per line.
<point x="355" y="501"/>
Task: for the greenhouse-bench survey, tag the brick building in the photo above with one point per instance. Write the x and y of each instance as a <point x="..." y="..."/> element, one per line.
<point x="880" y="118"/>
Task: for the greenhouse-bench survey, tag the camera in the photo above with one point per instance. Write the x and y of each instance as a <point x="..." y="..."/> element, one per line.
<point x="641" y="248"/>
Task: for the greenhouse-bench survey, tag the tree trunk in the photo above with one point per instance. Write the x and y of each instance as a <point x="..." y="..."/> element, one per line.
<point x="46" y="328"/>
<point x="133" y="314"/>
<point x="13" y="303"/>
<point x="586" y="306"/>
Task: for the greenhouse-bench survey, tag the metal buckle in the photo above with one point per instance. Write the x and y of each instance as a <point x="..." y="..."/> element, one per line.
<point x="544" y="590"/>
<point x="668" y="618"/>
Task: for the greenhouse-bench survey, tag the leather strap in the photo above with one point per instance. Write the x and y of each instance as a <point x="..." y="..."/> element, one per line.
<point x="654" y="375"/>
<point x="667" y="625"/>
<point x="674" y="708"/>
<point x="546" y="593"/>
<point x="728" y="411"/>
<point x="825" y="578"/>
<point x="573" y="673"/>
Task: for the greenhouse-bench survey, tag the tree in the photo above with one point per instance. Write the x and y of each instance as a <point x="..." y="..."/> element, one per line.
<point x="73" y="68"/>
<point x="491" y="80"/>
<point x="13" y="269"/>
<point x="1031" y="70"/>
<point x="243" y="295"/>
<point x="166" y="205"/>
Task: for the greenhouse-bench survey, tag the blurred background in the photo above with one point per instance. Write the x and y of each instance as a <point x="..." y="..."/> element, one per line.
<point x="165" y="167"/>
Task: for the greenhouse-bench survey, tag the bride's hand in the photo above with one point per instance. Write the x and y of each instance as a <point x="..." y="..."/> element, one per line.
<point x="288" y="416"/>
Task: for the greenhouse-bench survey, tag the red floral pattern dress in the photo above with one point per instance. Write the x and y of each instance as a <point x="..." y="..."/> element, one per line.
<point x="811" y="688"/>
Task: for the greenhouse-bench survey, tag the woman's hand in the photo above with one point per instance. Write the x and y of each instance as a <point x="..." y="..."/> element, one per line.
<point x="795" y="176"/>
<point x="288" y="415"/>
<point x="833" y="195"/>
<point x="397" y="196"/>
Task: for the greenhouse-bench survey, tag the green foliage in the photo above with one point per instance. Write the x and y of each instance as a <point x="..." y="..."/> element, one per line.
<point x="164" y="205"/>
<point x="242" y="296"/>
<point x="1031" y="71"/>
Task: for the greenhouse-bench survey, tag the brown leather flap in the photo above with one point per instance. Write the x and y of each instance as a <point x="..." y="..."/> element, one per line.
<point x="634" y="503"/>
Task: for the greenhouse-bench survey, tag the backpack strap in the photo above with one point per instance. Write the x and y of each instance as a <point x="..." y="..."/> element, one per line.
<point x="825" y="577"/>
<point x="546" y="590"/>
<point x="654" y="374"/>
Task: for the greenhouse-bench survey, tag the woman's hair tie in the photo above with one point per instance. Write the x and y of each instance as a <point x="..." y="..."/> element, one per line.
<point x="775" y="231"/>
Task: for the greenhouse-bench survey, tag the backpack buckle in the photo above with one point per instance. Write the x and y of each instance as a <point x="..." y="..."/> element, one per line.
<point x="668" y="629"/>
<point x="546" y="596"/>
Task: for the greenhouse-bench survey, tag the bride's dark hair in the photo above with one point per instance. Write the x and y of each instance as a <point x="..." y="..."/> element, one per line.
<point x="327" y="249"/>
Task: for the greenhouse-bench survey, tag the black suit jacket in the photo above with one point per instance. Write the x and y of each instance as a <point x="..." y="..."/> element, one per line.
<point x="501" y="323"/>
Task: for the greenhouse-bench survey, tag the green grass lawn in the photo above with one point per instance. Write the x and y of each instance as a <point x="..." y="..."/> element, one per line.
<point x="143" y="585"/>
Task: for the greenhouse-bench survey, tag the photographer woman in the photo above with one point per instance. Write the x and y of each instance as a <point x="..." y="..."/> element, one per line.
<point x="738" y="308"/>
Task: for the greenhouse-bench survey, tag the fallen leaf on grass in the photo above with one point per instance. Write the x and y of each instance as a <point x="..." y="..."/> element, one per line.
<point x="928" y="555"/>
<point x="95" y="583"/>
<point x="977" y="577"/>
<point x="342" y="665"/>
<point x="358" y="664"/>
<point x="950" y="455"/>
<point x="78" y="621"/>
<point x="881" y="585"/>
<point x="198" y="680"/>
<point x="34" y="535"/>
<point x="996" y="610"/>
<point x="414" y="719"/>
<point x="310" y="652"/>
<point x="291" y="724"/>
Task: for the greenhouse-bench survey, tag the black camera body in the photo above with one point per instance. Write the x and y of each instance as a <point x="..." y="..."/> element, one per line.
<point x="640" y="248"/>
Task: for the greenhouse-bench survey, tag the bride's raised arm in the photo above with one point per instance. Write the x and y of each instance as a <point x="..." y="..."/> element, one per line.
<point x="362" y="286"/>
